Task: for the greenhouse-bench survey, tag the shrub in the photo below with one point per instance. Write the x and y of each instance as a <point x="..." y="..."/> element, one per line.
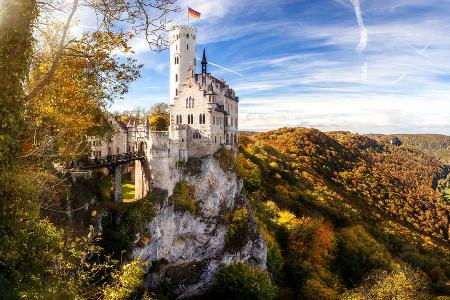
<point x="226" y="159"/>
<point x="183" y="197"/>
<point x="237" y="230"/>
<point x="315" y="289"/>
<point x="242" y="281"/>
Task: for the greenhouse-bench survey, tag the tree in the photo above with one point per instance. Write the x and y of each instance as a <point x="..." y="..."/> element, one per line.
<point x="159" y="117"/>
<point x="125" y="282"/>
<point x="37" y="82"/>
<point x="16" y="22"/>
<point x="73" y="104"/>
<point x="402" y="283"/>
<point x="359" y="253"/>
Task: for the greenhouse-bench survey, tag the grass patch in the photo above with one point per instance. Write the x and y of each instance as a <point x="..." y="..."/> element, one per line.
<point x="183" y="197"/>
<point x="106" y="186"/>
<point x="128" y="192"/>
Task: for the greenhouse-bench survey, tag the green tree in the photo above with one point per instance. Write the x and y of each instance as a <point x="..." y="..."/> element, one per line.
<point x="242" y="281"/>
<point x="359" y="253"/>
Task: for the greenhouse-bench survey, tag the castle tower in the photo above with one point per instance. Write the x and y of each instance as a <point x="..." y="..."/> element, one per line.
<point x="182" y="55"/>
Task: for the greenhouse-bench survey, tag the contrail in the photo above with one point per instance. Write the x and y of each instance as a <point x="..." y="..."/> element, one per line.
<point x="362" y="28"/>
<point x="421" y="52"/>
<point x="223" y="68"/>
<point x="401" y="78"/>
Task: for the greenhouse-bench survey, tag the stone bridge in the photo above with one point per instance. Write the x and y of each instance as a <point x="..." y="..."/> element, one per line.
<point x="116" y="164"/>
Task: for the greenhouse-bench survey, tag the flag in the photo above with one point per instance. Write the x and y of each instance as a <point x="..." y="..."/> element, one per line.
<point x="193" y="13"/>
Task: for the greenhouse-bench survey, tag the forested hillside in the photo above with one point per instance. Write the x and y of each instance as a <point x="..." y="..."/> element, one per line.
<point x="437" y="145"/>
<point x="347" y="216"/>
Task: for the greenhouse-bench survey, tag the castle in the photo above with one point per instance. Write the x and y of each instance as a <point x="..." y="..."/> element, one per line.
<point x="203" y="117"/>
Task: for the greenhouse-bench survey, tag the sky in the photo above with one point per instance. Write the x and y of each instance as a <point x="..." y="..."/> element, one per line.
<point x="366" y="66"/>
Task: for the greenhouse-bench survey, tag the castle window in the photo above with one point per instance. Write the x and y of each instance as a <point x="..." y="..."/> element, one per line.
<point x="176" y="77"/>
<point x="197" y="135"/>
<point x="187" y="35"/>
<point x="176" y="92"/>
<point x="204" y="119"/>
<point x="187" y="101"/>
<point x="192" y="102"/>
<point x="187" y="47"/>
<point x="200" y="119"/>
<point x="215" y="139"/>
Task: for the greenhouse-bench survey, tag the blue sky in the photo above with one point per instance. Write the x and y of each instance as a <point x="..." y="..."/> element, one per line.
<point x="368" y="66"/>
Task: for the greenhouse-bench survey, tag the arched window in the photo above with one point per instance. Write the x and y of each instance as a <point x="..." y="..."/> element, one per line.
<point x="176" y="77"/>
<point x="187" y="102"/>
<point x="197" y="135"/>
<point x="215" y="139"/>
<point x="200" y="119"/>
<point x="204" y="118"/>
<point x="176" y="92"/>
<point x="192" y="102"/>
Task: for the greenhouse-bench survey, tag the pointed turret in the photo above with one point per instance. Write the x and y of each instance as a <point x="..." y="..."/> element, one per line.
<point x="204" y="63"/>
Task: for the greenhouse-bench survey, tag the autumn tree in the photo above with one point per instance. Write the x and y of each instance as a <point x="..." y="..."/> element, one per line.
<point x="54" y="87"/>
<point x="159" y="117"/>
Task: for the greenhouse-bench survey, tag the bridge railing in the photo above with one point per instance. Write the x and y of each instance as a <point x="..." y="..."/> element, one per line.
<point x="105" y="161"/>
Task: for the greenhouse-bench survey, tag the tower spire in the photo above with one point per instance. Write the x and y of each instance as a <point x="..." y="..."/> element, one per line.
<point x="204" y="63"/>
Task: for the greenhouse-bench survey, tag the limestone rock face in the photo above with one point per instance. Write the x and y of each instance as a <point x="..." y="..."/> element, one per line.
<point x="189" y="249"/>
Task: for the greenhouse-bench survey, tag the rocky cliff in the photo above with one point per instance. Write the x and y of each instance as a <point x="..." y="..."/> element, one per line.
<point x="201" y="224"/>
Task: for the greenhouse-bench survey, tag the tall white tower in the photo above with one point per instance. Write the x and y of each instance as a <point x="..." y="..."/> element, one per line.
<point x="182" y="55"/>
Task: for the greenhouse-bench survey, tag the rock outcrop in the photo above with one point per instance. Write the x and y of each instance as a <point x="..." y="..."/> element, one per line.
<point x="186" y="249"/>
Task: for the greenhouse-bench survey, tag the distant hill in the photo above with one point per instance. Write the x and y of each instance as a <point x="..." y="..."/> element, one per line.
<point x="435" y="144"/>
<point x="361" y="205"/>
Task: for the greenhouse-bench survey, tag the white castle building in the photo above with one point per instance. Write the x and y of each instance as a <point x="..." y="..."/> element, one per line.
<point x="203" y="116"/>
